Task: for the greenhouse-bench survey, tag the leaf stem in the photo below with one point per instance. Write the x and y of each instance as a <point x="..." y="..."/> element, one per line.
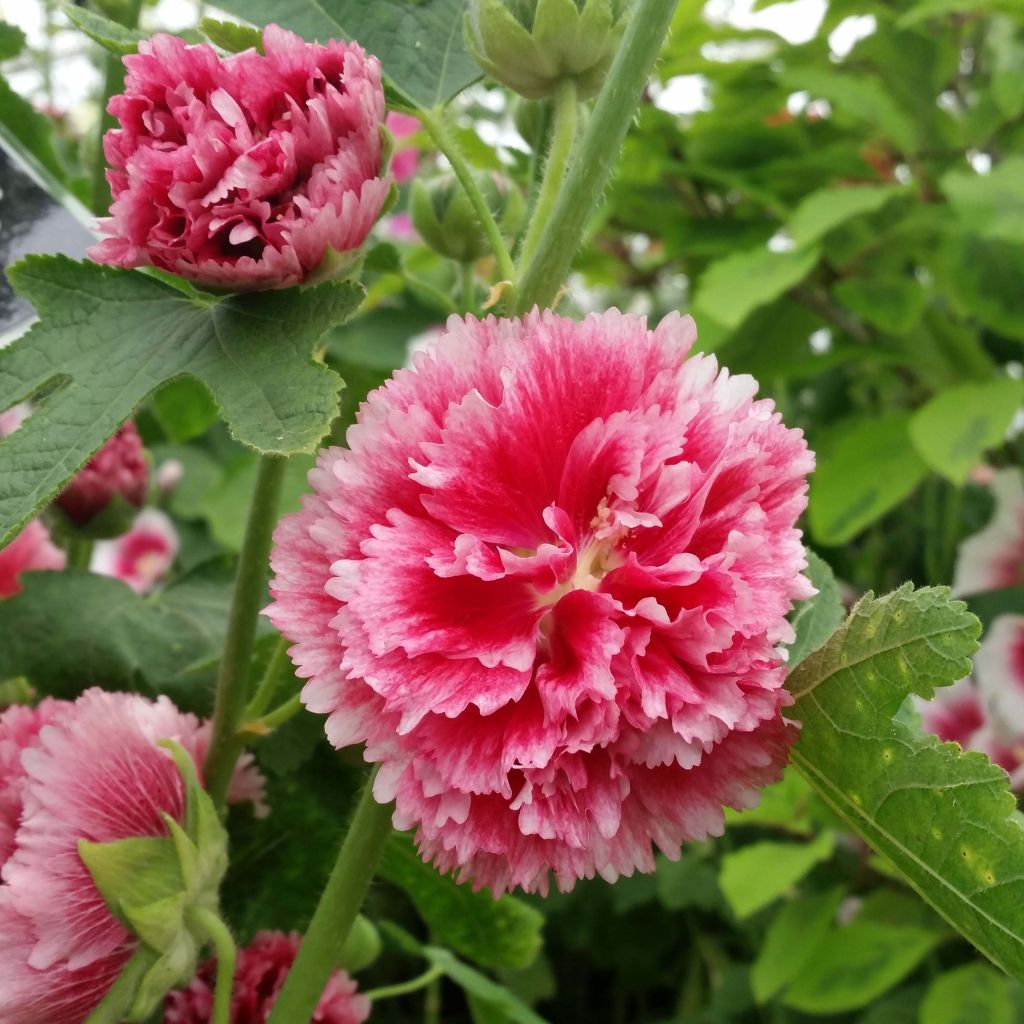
<point x="233" y="676"/>
<point x="282" y="713"/>
<point x="79" y="552"/>
<point x="468" y="284"/>
<point x="562" y="139"/>
<point x="435" y="128"/>
<point x="332" y="921"/>
<point x="595" y="156"/>
<point x="224" y="945"/>
<point x="403" y="988"/>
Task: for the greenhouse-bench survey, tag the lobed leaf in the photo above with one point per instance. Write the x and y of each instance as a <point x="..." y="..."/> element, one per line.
<point x="108" y="338"/>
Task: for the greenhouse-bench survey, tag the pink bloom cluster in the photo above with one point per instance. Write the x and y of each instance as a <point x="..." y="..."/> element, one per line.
<point x="243" y="172"/>
<point x="118" y="468"/>
<point x="545" y="585"/>
<point x="259" y="975"/>
<point x="88" y="769"/>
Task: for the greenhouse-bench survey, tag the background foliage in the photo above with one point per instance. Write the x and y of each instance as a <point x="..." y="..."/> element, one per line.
<point x="847" y="224"/>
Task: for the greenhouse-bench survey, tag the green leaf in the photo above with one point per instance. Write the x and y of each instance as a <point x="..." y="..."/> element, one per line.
<point x="984" y="276"/>
<point x="990" y="205"/>
<point x="826" y="209"/>
<point x="817" y="618"/>
<point x="792" y="941"/>
<point x="419" y="42"/>
<point x="759" y="874"/>
<point x="956" y="427"/>
<point x="732" y="288"/>
<point x="853" y="966"/>
<point x="869" y="469"/>
<point x="108" y="338"/>
<point x="28" y="133"/>
<point x="495" y="933"/>
<point x="968" y="995"/>
<point x="892" y="304"/>
<point x="943" y="817"/>
<point x="69" y="630"/>
<point x="115" y="38"/>
<point x="689" y="881"/>
<point x="231" y="37"/>
<point x="12" y="40"/>
<point x="184" y="409"/>
<point x="785" y="805"/>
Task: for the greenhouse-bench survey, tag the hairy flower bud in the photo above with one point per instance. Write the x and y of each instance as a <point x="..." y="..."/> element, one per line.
<point x="445" y="218"/>
<point x="532" y="45"/>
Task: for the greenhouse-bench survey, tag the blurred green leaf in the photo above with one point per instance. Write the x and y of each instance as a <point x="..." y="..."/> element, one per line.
<point x="971" y="994"/>
<point x="29" y="133"/>
<point x="990" y="205"/>
<point x="822" y="211"/>
<point x="689" y="881"/>
<point x="756" y="875"/>
<point x="817" y="618"/>
<point x="871" y="467"/>
<point x="12" y="40"/>
<point x="892" y="304"/>
<point x="984" y="275"/>
<point x="184" y="409"/>
<point x="955" y="428"/>
<point x="495" y="933"/>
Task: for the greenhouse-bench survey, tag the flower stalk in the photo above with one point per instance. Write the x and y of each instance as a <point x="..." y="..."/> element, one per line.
<point x="332" y="921"/>
<point x="595" y="156"/>
<point x="233" y="677"/>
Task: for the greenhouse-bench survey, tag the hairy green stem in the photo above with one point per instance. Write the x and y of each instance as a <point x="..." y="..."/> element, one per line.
<point x="79" y="552"/>
<point x="268" y="684"/>
<point x="562" y="139"/>
<point x="224" y="945"/>
<point x="113" y="82"/>
<point x="403" y="988"/>
<point x="340" y="902"/>
<point x="595" y="156"/>
<point x="233" y="676"/>
<point x="446" y="144"/>
<point x="282" y="713"/>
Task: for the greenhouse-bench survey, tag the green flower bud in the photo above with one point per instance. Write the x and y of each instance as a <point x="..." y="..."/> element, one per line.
<point x="533" y="45"/>
<point x="445" y="218"/>
<point x="362" y="947"/>
<point x="529" y="118"/>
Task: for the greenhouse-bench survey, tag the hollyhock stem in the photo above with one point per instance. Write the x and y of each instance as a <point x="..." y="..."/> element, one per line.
<point x="113" y="81"/>
<point x="403" y="988"/>
<point x="332" y="921"/>
<point x="268" y="684"/>
<point x="563" y="137"/>
<point x="595" y="156"/>
<point x="468" y="280"/>
<point x="224" y="944"/>
<point x="79" y="552"/>
<point x="444" y="142"/>
<point x="233" y="676"/>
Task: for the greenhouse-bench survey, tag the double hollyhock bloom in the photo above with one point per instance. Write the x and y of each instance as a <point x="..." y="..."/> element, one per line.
<point x="118" y="469"/>
<point x="259" y="976"/>
<point x="244" y="172"/>
<point x="88" y="769"/>
<point x="142" y="556"/>
<point x="545" y="585"/>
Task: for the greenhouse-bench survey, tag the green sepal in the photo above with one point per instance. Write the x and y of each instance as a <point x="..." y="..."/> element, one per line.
<point x="113" y="520"/>
<point x="116" y="1006"/>
<point x="175" y="967"/>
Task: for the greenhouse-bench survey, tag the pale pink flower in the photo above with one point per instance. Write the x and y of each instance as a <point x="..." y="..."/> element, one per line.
<point x="994" y="557"/>
<point x="545" y="585"/>
<point x="88" y="769"/>
<point x="31" y="549"/>
<point x="963" y="714"/>
<point x="13" y="418"/>
<point x="119" y="468"/>
<point x="406" y="159"/>
<point x="999" y="669"/>
<point x="259" y="975"/>
<point x="244" y="172"/>
<point x="142" y="556"/>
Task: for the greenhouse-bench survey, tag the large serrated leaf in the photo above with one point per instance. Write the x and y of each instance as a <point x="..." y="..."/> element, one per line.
<point x="108" y="338"/>
<point x="941" y="816"/>
<point x="419" y="42"/>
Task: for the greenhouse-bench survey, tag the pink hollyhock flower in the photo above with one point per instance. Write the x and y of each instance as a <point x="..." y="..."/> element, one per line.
<point x="118" y="468"/>
<point x="994" y="557"/>
<point x="142" y="556"/>
<point x="244" y="172"/>
<point x="406" y="159"/>
<point x="999" y="670"/>
<point x="545" y="585"/>
<point x="259" y="975"/>
<point x="88" y="769"/>
<point x="31" y="549"/>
